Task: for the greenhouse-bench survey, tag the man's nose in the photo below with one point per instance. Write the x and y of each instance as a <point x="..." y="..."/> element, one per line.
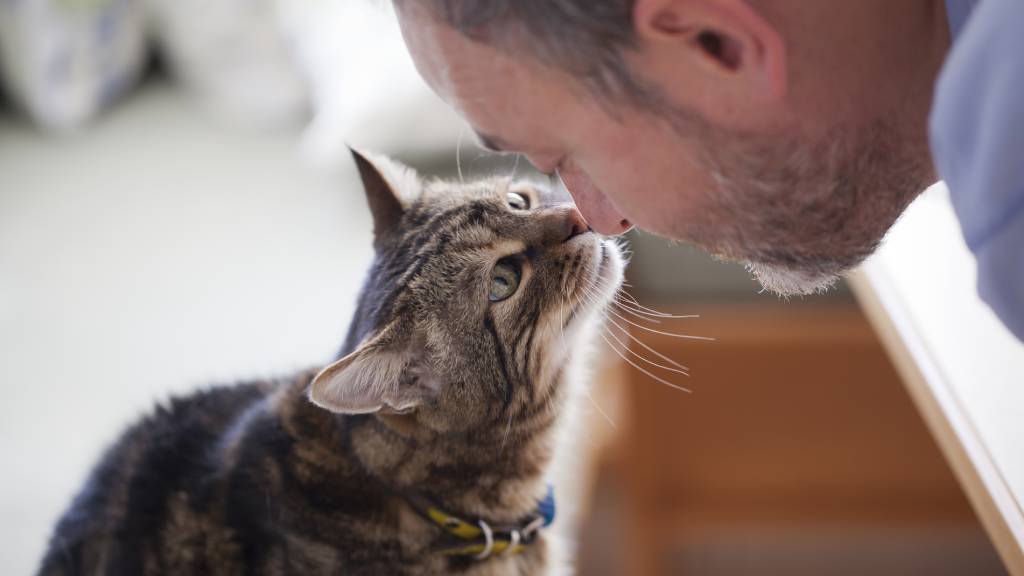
<point x="598" y="210"/>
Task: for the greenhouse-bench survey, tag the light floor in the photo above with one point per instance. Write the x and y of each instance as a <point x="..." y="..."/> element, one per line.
<point x="153" y="253"/>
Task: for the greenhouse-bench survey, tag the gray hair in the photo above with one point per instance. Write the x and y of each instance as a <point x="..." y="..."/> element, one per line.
<point x="586" y="38"/>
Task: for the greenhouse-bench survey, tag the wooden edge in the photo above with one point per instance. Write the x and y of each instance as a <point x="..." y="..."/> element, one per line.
<point x="946" y="418"/>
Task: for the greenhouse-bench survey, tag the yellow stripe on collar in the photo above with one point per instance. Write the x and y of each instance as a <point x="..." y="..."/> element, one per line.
<point x="482" y="540"/>
<point x="464" y="530"/>
<point x="454" y="525"/>
<point x="499" y="547"/>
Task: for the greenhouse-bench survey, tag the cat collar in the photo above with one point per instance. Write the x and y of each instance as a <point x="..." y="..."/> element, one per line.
<point x="481" y="539"/>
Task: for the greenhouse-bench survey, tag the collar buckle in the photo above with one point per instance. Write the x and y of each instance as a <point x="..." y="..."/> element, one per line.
<point x="481" y="540"/>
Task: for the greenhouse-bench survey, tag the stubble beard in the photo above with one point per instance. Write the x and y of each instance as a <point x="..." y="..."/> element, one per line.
<point x="800" y="216"/>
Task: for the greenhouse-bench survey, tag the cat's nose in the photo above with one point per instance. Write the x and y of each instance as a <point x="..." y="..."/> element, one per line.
<point x="559" y="224"/>
<point x="575" y="224"/>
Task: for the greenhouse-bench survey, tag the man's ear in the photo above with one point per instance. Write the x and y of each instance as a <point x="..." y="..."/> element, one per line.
<point x="728" y="40"/>
<point x="380" y="375"/>
<point x="390" y="188"/>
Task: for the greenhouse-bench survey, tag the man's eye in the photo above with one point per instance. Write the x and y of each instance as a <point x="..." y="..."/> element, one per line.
<point x="518" y="201"/>
<point x="488" y="144"/>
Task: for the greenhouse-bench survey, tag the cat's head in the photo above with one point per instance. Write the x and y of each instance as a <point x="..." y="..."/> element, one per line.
<point x="479" y="295"/>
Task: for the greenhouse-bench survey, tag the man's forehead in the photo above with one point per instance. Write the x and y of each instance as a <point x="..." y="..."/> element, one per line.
<point x="422" y="37"/>
<point x="468" y="75"/>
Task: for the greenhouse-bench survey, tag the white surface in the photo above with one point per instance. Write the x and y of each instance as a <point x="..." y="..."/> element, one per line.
<point x="152" y="253"/>
<point x="925" y="278"/>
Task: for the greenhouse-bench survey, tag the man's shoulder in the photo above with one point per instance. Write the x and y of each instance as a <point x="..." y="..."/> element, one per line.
<point x="977" y="139"/>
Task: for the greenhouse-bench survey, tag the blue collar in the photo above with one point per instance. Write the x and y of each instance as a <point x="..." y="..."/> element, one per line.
<point x="546" y="507"/>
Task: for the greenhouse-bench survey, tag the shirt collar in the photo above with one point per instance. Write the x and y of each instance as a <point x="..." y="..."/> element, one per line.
<point x="957" y="13"/>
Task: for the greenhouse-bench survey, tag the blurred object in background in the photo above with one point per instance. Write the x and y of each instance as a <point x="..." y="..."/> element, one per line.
<point x="364" y="88"/>
<point x="62" y="62"/>
<point x="234" y="56"/>
<point x="338" y="67"/>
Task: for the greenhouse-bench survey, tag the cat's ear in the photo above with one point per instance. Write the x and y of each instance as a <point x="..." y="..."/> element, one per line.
<point x="378" y="376"/>
<point x="390" y="188"/>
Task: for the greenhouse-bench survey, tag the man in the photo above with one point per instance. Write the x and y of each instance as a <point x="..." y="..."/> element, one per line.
<point x="787" y="134"/>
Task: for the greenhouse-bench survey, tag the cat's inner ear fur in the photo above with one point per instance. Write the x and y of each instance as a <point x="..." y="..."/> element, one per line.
<point x="382" y="375"/>
<point x="390" y="188"/>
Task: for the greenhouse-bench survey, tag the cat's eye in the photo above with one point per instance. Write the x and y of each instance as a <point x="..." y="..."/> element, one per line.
<point x="518" y="201"/>
<point x="504" y="279"/>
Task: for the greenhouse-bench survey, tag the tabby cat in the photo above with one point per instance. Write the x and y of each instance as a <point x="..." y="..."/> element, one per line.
<point x="423" y="450"/>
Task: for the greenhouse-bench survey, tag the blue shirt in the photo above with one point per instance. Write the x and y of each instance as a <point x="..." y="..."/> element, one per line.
<point x="977" y="142"/>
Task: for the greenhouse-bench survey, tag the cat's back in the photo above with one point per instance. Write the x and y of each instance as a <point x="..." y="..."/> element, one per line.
<point x="174" y="452"/>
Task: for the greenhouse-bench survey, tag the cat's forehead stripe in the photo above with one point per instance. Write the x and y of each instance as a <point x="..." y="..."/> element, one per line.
<point x="507" y="247"/>
<point x="424" y="244"/>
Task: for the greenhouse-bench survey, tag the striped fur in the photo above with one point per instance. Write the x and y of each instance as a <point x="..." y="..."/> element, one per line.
<point x="256" y="479"/>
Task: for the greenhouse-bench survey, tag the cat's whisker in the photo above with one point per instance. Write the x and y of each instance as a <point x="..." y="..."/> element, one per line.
<point x="638" y="356"/>
<point x="625" y="251"/>
<point x="661" y="332"/>
<point x="647" y="310"/>
<point x="648" y="373"/>
<point x="680" y="369"/>
<point x="643" y="313"/>
<point x="684" y="370"/>
<point x="625" y="307"/>
<point x="598" y="408"/>
<point x="561" y="322"/>
<point x="566" y="302"/>
<point x="647" y="347"/>
<point x="624" y="304"/>
<point x="636" y="314"/>
<point x="458" y="154"/>
<point x="628" y="303"/>
<point x="507" y="433"/>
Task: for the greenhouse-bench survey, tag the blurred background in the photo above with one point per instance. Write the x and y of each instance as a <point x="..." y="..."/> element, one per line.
<point x="177" y="209"/>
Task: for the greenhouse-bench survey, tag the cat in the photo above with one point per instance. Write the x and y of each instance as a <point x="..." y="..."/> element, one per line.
<point x="422" y="450"/>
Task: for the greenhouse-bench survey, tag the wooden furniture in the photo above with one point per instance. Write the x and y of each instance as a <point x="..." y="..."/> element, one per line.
<point x="964" y="370"/>
<point x="798" y="452"/>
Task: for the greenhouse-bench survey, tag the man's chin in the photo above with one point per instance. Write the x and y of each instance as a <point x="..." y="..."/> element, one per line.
<point x="788" y="282"/>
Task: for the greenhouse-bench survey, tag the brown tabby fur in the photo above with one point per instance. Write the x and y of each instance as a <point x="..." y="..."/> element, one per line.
<point x="440" y="392"/>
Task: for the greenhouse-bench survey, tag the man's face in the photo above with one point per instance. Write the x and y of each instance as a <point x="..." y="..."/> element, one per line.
<point x="798" y="209"/>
